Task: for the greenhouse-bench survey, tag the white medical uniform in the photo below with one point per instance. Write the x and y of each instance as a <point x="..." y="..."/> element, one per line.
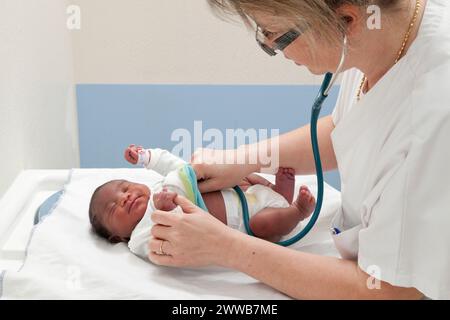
<point x="393" y="154"/>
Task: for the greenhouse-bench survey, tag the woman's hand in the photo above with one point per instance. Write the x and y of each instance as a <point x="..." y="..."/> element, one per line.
<point x="254" y="179"/>
<point x="220" y="169"/>
<point x="191" y="239"/>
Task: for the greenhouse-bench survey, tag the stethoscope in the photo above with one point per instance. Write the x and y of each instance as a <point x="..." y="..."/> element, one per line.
<point x="325" y="88"/>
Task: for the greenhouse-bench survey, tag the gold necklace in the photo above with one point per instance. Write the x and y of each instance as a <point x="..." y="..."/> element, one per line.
<point x="402" y="49"/>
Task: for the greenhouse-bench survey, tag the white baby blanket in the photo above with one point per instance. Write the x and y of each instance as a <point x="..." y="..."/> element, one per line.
<point x="66" y="261"/>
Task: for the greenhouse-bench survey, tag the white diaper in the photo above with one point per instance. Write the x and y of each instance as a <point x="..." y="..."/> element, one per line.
<point x="258" y="197"/>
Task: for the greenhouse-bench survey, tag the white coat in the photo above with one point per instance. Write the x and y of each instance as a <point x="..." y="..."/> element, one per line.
<point x="393" y="154"/>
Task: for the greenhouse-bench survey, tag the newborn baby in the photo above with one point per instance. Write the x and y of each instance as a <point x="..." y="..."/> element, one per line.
<point x="120" y="210"/>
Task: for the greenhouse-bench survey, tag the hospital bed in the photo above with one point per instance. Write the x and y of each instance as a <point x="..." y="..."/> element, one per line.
<point x="47" y="250"/>
<point x="21" y="207"/>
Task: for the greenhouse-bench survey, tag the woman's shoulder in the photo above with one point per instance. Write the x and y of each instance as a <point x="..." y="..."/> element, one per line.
<point x="430" y="63"/>
<point x="431" y="49"/>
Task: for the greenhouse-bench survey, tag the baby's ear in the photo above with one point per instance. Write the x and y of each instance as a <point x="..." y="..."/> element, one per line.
<point x="116" y="239"/>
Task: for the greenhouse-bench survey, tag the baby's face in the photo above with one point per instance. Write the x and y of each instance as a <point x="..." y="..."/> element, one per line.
<point x="123" y="205"/>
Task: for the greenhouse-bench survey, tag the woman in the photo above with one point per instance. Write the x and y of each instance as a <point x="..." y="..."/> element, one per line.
<point x="388" y="136"/>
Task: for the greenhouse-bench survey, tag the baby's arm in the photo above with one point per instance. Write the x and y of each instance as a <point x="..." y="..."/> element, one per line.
<point x="159" y="160"/>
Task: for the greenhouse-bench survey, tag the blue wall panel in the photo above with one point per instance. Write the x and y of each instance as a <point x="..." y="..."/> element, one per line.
<point x="113" y="116"/>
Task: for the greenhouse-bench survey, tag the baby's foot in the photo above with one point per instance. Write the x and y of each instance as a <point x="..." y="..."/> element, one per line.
<point x="285" y="183"/>
<point x="305" y="202"/>
<point x="165" y="200"/>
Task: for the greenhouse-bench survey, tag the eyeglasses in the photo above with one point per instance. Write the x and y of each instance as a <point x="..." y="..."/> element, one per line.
<point x="279" y="43"/>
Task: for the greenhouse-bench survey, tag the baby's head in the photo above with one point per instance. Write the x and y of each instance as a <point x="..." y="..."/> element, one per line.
<point x="117" y="207"/>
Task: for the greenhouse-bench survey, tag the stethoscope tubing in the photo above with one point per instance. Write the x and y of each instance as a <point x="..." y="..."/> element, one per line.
<point x="325" y="88"/>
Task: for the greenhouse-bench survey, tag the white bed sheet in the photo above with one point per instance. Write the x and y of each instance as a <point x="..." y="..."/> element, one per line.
<point x="66" y="261"/>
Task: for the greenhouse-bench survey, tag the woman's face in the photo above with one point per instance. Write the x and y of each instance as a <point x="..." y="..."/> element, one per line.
<point x="319" y="59"/>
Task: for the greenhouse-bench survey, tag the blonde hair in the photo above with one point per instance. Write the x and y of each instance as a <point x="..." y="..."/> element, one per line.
<point x="319" y="15"/>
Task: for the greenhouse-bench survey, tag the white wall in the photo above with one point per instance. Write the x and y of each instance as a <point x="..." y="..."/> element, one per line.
<point x="171" y="41"/>
<point x="38" y="125"/>
<point x="133" y="41"/>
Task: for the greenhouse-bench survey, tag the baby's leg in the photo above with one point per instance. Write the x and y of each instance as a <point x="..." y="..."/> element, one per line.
<point x="273" y="223"/>
<point x="285" y="183"/>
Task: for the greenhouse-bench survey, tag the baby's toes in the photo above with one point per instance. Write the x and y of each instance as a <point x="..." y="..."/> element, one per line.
<point x="286" y="173"/>
<point x="310" y="200"/>
<point x="304" y="189"/>
<point x="290" y="172"/>
<point x="306" y="194"/>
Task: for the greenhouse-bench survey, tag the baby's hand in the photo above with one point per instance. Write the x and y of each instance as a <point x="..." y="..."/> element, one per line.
<point x="132" y="153"/>
<point x="165" y="200"/>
